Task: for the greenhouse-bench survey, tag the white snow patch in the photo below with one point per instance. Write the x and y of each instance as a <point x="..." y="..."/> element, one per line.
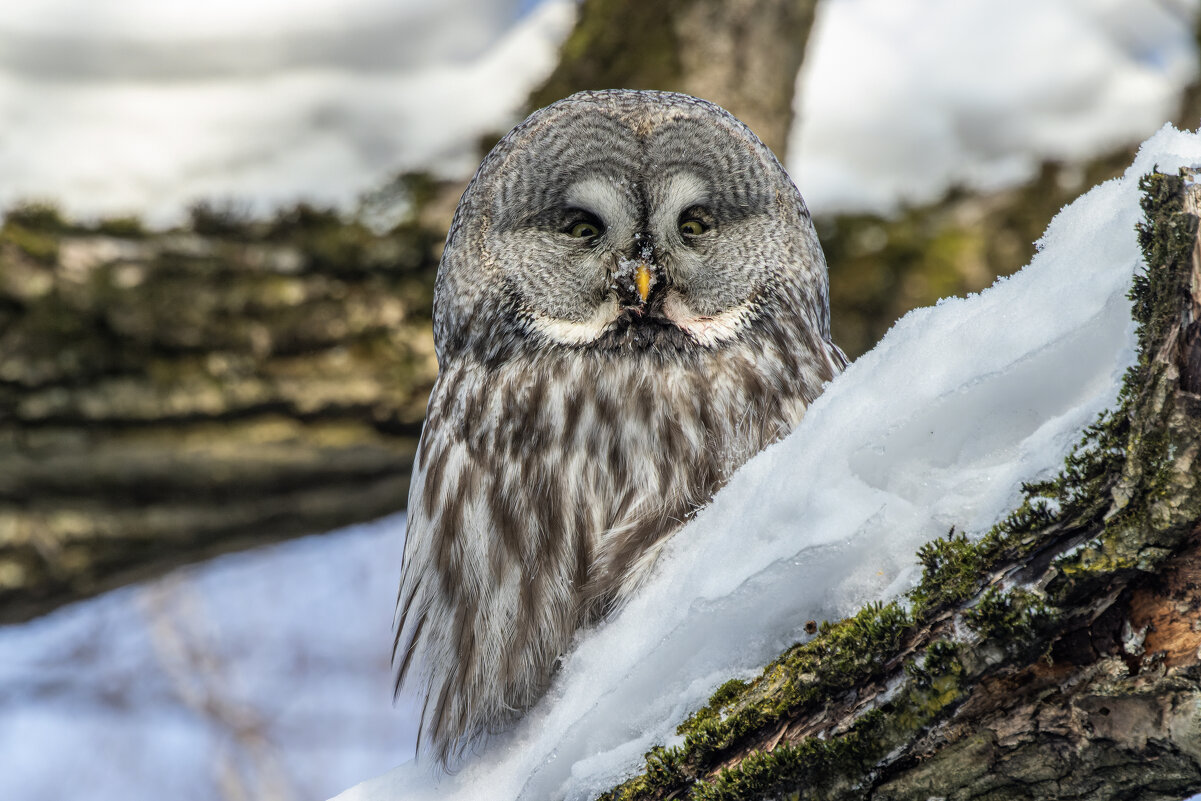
<point x="938" y="425"/>
<point x="266" y="671"/>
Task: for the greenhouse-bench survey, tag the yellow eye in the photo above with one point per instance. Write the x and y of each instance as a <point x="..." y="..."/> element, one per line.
<point x="584" y="230"/>
<point x="692" y="228"/>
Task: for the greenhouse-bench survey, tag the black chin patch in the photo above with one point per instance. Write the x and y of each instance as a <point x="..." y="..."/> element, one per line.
<point x="639" y="332"/>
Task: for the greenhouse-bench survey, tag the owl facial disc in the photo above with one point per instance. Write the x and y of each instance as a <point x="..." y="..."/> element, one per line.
<point x="644" y="223"/>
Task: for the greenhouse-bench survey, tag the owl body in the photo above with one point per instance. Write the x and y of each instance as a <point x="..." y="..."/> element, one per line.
<point x="631" y="303"/>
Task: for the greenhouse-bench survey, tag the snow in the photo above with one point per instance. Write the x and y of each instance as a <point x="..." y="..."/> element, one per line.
<point x="883" y="120"/>
<point x="265" y="671"/>
<point x="937" y="426"/>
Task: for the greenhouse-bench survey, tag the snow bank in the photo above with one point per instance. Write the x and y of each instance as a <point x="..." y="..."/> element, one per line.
<point x="937" y="426"/>
<point x="149" y="691"/>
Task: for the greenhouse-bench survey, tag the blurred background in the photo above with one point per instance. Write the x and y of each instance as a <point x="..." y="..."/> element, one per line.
<point x="220" y="230"/>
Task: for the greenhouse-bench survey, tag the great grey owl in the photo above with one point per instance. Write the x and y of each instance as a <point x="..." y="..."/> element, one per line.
<point x="632" y="302"/>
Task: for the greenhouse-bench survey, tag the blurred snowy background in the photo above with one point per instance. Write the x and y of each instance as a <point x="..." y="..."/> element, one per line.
<point x="261" y="675"/>
<point x="142" y="106"/>
<point x="264" y="675"/>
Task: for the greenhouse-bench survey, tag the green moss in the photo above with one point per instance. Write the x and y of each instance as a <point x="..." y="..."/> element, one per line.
<point x="809" y="763"/>
<point x="727" y="692"/>
<point x="641" y="53"/>
<point x="941" y="659"/>
<point x="950" y="572"/>
<point x="819" y="765"/>
<point x="1166" y="238"/>
<point x="35" y="243"/>
<point x="130" y="227"/>
<point x="724" y="696"/>
<point x="1132" y="462"/>
<point x="956" y="567"/>
<point x="663" y="769"/>
<point x="1013" y="619"/>
<point x="842" y="654"/>
<point x="830" y="768"/>
<point x="664" y="773"/>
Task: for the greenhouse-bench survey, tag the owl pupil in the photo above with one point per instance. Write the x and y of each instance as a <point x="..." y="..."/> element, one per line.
<point x="584" y="230"/>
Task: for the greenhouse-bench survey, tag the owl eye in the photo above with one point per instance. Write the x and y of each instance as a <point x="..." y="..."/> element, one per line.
<point x="692" y="227"/>
<point x="585" y="229"/>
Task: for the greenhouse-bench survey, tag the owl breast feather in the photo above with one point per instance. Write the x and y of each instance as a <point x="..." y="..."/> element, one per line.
<point x="543" y="491"/>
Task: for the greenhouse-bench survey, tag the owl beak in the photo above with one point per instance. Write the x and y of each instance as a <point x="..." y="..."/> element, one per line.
<point x="642" y="281"/>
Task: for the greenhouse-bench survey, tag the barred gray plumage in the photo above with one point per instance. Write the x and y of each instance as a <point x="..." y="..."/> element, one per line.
<point x="632" y="301"/>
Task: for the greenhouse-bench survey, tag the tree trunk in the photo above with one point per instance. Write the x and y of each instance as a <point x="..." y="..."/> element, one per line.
<point x="743" y="55"/>
<point x="1058" y="657"/>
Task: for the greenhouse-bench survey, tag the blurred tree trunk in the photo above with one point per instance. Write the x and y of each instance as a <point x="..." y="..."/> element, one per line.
<point x="1059" y="657"/>
<point x="743" y="55"/>
<point x="172" y="396"/>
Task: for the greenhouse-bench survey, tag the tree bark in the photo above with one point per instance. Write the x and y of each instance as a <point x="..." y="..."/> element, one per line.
<point x="1058" y="657"/>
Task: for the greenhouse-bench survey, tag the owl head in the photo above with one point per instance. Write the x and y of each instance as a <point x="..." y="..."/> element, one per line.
<point x="627" y="222"/>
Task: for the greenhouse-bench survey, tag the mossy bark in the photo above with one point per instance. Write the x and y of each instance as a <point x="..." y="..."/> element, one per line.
<point x="171" y="396"/>
<point x="1057" y="657"/>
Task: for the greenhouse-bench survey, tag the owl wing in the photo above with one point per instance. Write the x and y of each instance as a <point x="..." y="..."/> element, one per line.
<point x="486" y="597"/>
